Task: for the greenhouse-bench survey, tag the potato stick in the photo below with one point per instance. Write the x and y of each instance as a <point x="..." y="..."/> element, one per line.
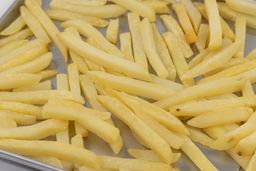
<point x="73" y="79"/>
<point x="219" y="59"/>
<point x="51" y="148"/>
<point x="23" y="34"/>
<point x="78" y="60"/>
<point x="109" y="61"/>
<point x="113" y="30"/>
<point x="184" y="20"/>
<point x="146" y="134"/>
<point x="195" y="154"/>
<point x="231" y="138"/>
<point x="101" y="128"/>
<point x="196" y="108"/>
<point x="126" y="45"/>
<point x="53" y="161"/>
<point x="7" y="122"/>
<point x="215" y="87"/>
<point x="193" y="13"/>
<point x="248" y="89"/>
<point x="199" y="136"/>
<point x="138" y="51"/>
<point x="14" y="27"/>
<point x="224" y="117"/>
<point x="88" y="30"/>
<point x="150" y="49"/>
<point x="214" y="24"/>
<point x="158" y="6"/>
<point x="240" y="35"/>
<point x="203" y="34"/>
<point x="47" y="74"/>
<point x="44" y="85"/>
<point x="177" y="55"/>
<point x="252" y="54"/>
<point x="133" y="164"/>
<point x="132" y="86"/>
<point x="164" y="53"/>
<point x="33" y="66"/>
<point x="141" y="106"/>
<point x="246" y="6"/>
<point x="47" y="24"/>
<point x="11" y="46"/>
<point x="105" y="11"/>
<point x="62" y="82"/>
<point x="64" y="15"/>
<point x="19" y="117"/>
<point x="87" y="2"/>
<point x="172" y="25"/>
<point x="252" y="164"/>
<point x="138" y="7"/>
<point x="199" y="58"/>
<point x="167" y="83"/>
<point x="77" y="141"/>
<point x="247" y="145"/>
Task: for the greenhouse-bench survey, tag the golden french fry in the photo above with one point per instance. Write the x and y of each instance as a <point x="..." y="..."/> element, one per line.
<point x="11" y="46"/>
<point x="113" y="30"/>
<point x="104" y="11"/>
<point x="51" y="148"/>
<point x="7" y="122"/>
<point x="14" y="27"/>
<point x="53" y="161"/>
<point x="19" y="117"/>
<point x="78" y="60"/>
<point x="73" y="79"/>
<point x="247" y="145"/>
<point x="62" y="82"/>
<point x="246" y="6"/>
<point x="252" y="164"/>
<point x="199" y="58"/>
<point x="158" y="6"/>
<point x="45" y="85"/>
<point x="199" y="136"/>
<point x="248" y="89"/>
<point x="47" y="74"/>
<point x="240" y="35"/>
<point x="77" y="141"/>
<point x="166" y="83"/>
<point x="251" y="55"/>
<point x="203" y="34"/>
<point x="126" y="45"/>
<point x="87" y="2"/>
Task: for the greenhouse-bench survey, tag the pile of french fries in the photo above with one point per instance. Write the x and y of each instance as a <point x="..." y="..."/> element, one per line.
<point x="190" y="84"/>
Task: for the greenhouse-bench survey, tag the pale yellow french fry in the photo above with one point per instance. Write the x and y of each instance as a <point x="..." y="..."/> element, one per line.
<point x="197" y="157"/>
<point x="73" y="79"/>
<point x="62" y="82"/>
<point x="47" y="24"/>
<point x="129" y="85"/>
<point x="216" y="61"/>
<point x="214" y="24"/>
<point x="87" y="2"/>
<point x="51" y="148"/>
<point x="193" y="13"/>
<point x="143" y="131"/>
<point x="7" y="122"/>
<point x="47" y="74"/>
<point x="11" y="46"/>
<point x="14" y="27"/>
<point x="45" y="85"/>
<point x="88" y="30"/>
<point x="77" y="141"/>
<point x="248" y="89"/>
<point x="53" y="161"/>
<point x="64" y="15"/>
<point x="113" y="30"/>
<point x="138" y="7"/>
<point x="199" y="58"/>
<point x="158" y="6"/>
<point x="251" y="55"/>
<point x="177" y="55"/>
<point x="247" y="145"/>
<point x="23" y="34"/>
<point x="33" y="66"/>
<point x="34" y="25"/>
<point x="150" y="49"/>
<point x="203" y="35"/>
<point x="78" y="60"/>
<point x="104" y="11"/>
<point x="133" y="164"/>
<point x="246" y="6"/>
<point x="184" y="20"/>
<point x="240" y="35"/>
<point x="126" y="45"/>
<point x="221" y="117"/>
<point x="19" y="117"/>
<point x="252" y="164"/>
<point x="139" y="55"/>
<point x="167" y="83"/>
<point x="199" y="136"/>
<point x="172" y="25"/>
<point x="164" y="53"/>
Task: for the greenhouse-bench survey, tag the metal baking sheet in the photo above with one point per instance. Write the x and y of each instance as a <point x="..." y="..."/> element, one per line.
<point x="220" y="159"/>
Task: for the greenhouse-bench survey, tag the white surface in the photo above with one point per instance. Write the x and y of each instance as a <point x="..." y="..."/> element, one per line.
<point x="4" y="6"/>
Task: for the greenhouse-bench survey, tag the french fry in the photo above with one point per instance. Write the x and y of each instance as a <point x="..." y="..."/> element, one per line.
<point x="53" y="161"/>
<point x="132" y="86"/>
<point x="88" y="30"/>
<point x="251" y="55"/>
<point x="11" y="46"/>
<point x="246" y="146"/>
<point x="251" y="164"/>
<point x="247" y="6"/>
<point x="51" y="148"/>
<point x="221" y="117"/>
<point x="167" y="83"/>
<point x="199" y="58"/>
<point x="126" y="45"/>
<point x="7" y="122"/>
<point x="44" y="85"/>
<point x="81" y="64"/>
<point x="14" y="27"/>
<point x="138" y="7"/>
<point x="104" y="11"/>
<point x="184" y="20"/>
<point x="47" y="74"/>
<point x="198" y="158"/>
<point x="172" y="25"/>
<point x="248" y="89"/>
<point x="150" y="49"/>
<point x="73" y="79"/>
<point x="199" y="136"/>
<point x="62" y="82"/>
<point x="87" y="2"/>
<point x="214" y="24"/>
<point x="141" y="129"/>
<point x="203" y="34"/>
<point x="77" y="141"/>
<point x="158" y="6"/>
<point x="23" y="34"/>
<point x="19" y="117"/>
<point x="139" y="55"/>
<point x="47" y="24"/>
<point x="240" y="35"/>
<point x="112" y="31"/>
<point x="164" y="53"/>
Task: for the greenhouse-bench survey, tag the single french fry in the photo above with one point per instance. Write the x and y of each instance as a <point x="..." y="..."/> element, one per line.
<point x="47" y="74"/>
<point x="19" y="117"/>
<point x="184" y="20"/>
<point x="113" y="30"/>
<point x="7" y="122"/>
<point x="11" y="46"/>
<point x="221" y="117"/>
<point x="14" y="27"/>
<point x="240" y="35"/>
<point x="172" y="25"/>
<point x="199" y="136"/>
<point x="139" y="55"/>
<point x="62" y="82"/>
<point x="203" y="34"/>
<point x="87" y="2"/>
<point x="104" y="11"/>
<point x="251" y="55"/>
<point x="251" y="164"/>
<point x="246" y="6"/>
<point x="199" y="58"/>
<point x="51" y="148"/>
<point x="73" y="79"/>
<point x="78" y="60"/>
<point x="247" y="145"/>
<point x="53" y="161"/>
<point x="158" y="6"/>
<point x="47" y="24"/>
<point x="167" y="83"/>
<point x="126" y="45"/>
<point x="248" y="89"/>
<point x="44" y="85"/>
